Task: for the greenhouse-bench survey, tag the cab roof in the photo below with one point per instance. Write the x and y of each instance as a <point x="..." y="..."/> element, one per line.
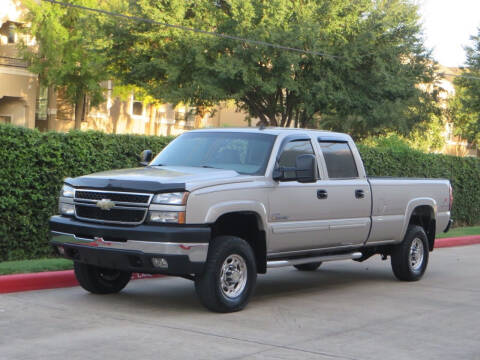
<point x="279" y="131"/>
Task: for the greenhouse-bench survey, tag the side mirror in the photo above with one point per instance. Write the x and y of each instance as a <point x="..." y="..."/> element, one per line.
<point x="305" y="168"/>
<point x="145" y="157"/>
<point x="277" y="174"/>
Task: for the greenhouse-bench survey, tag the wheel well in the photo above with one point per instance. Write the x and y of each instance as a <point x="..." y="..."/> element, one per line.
<point x="245" y="225"/>
<point x="423" y="216"/>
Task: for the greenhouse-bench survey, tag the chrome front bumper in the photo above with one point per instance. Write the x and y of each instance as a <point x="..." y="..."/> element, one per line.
<point x="196" y="252"/>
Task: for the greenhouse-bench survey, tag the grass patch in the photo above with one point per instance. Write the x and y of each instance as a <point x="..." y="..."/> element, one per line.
<point x="31" y="266"/>
<point x="461" y="231"/>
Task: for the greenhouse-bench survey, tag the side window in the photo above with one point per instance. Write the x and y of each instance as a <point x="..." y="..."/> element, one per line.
<point x="290" y="152"/>
<point x="339" y="160"/>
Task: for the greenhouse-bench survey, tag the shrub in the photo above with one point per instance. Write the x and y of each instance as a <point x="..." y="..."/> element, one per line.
<point x="32" y="168"/>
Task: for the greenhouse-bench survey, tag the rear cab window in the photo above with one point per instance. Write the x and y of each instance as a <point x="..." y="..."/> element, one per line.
<point x="338" y="159"/>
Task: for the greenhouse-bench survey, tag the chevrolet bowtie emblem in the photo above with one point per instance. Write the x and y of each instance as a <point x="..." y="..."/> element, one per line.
<point x="105" y="204"/>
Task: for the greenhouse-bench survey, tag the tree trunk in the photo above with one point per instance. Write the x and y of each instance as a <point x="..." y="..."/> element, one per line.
<point x="200" y="113"/>
<point x="303" y="119"/>
<point x="79" y="111"/>
<point x="51" y="108"/>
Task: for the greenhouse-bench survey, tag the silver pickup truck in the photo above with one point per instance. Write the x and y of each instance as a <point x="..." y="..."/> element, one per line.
<point x="220" y="206"/>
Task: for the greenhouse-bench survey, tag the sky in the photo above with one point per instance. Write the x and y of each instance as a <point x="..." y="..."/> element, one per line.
<point x="448" y="25"/>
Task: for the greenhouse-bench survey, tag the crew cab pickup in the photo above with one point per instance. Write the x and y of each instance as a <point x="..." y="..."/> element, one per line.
<point x="219" y="206"/>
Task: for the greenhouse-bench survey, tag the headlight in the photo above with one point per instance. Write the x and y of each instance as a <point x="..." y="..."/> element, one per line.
<point x="176" y="198"/>
<point x="171" y="217"/>
<point x="67" y="191"/>
<point x="66" y="209"/>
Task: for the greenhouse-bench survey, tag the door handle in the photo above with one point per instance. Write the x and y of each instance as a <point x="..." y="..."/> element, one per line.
<point x="322" y="194"/>
<point x="359" y="194"/>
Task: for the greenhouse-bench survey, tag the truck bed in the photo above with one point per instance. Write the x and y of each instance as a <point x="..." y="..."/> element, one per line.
<point x="394" y="199"/>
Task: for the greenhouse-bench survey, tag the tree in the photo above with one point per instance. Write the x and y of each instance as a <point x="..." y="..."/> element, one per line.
<point x="465" y="105"/>
<point x="67" y="52"/>
<point x="368" y="85"/>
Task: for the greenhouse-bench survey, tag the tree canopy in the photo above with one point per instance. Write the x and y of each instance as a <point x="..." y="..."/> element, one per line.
<point x="365" y="84"/>
<point x="465" y="106"/>
<point x="67" y="53"/>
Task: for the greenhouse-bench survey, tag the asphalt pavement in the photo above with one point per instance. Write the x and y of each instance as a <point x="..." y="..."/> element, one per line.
<point x="344" y="310"/>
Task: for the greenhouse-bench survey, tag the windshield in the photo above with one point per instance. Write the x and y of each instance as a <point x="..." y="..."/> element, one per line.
<point x="246" y="153"/>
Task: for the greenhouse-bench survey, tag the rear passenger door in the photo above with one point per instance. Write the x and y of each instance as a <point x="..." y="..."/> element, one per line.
<point x="347" y="194"/>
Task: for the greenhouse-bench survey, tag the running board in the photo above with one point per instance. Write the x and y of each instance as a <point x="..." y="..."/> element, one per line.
<point x="298" y="261"/>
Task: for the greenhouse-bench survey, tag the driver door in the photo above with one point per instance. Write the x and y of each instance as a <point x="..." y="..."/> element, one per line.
<point x="296" y="219"/>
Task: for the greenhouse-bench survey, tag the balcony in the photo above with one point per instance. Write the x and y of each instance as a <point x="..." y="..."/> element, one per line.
<point x="13" y="62"/>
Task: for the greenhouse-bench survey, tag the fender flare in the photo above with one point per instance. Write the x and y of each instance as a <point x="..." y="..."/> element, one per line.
<point x="411" y="206"/>
<point x="227" y="207"/>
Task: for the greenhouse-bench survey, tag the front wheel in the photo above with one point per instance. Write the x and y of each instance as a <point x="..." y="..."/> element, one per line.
<point x="99" y="280"/>
<point x="410" y="258"/>
<point x="229" y="277"/>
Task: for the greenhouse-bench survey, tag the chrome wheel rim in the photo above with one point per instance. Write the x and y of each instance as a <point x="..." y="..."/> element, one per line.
<point x="416" y="255"/>
<point x="233" y="276"/>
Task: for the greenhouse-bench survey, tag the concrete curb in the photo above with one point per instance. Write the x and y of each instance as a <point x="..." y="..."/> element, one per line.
<point x="457" y="241"/>
<point x="37" y="281"/>
<point x="47" y="280"/>
<point x="61" y="279"/>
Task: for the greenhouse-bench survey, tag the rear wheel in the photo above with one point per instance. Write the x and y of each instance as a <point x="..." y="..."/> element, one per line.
<point x="99" y="280"/>
<point x="229" y="277"/>
<point x="308" y="267"/>
<point x="410" y="258"/>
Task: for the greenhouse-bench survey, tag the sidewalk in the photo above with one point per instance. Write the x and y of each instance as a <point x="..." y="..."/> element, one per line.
<point x="61" y="279"/>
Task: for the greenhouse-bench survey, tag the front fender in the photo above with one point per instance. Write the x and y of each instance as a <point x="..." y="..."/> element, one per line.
<point x="217" y="210"/>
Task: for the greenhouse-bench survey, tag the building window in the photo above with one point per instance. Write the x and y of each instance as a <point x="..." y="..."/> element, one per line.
<point x="137" y="106"/>
<point x="5" y="119"/>
<point x="42" y="101"/>
<point x="11" y="36"/>
<point x="180" y="115"/>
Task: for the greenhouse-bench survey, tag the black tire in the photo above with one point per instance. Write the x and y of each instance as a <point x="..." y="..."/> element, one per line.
<point x="208" y="285"/>
<point x="99" y="280"/>
<point x="405" y="267"/>
<point x="308" y="267"/>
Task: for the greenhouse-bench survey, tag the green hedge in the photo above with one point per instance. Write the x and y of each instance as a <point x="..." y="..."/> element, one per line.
<point x="33" y="166"/>
<point x="463" y="173"/>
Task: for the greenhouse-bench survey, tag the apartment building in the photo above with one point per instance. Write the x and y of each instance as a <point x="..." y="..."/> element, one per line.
<point x="18" y="86"/>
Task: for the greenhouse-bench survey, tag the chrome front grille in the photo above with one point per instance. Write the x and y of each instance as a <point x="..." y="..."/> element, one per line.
<point x="117" y="197"/>
<point x="128" y="208"/>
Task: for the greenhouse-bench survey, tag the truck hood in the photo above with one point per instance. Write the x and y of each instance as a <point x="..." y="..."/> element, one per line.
<point x="157" y="179"/>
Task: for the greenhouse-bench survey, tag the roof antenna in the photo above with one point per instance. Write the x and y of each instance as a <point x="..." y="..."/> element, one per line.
<point x="262" y="126"/>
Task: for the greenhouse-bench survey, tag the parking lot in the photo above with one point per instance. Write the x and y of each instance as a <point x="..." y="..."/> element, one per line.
<point x="345" y="310"/>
